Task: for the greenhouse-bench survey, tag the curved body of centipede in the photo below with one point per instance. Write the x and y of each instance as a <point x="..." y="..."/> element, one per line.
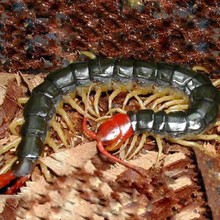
<point x="40" y="108"/>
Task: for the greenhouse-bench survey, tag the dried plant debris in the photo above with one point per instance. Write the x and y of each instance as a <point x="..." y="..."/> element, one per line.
<point x="40" y="35"/>
<point x="32" y="81"/>
<point x="85" y="189"/>
<point x="10" y="107"/>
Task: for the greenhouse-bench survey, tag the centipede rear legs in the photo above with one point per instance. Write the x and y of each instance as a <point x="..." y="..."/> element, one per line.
<point x="12" y="180"/>
<point x="10" y="183"/>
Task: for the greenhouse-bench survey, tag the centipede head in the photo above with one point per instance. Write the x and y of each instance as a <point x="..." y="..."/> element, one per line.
<point x="111" y="135"/>
<point x="113" y="132"/>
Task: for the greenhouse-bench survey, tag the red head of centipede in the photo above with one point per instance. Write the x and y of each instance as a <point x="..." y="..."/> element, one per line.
<point x="115" y="131"/>
<point x="111" y="135"/>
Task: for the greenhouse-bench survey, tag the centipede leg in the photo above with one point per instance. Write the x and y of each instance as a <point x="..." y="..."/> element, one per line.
<point x="132" y="145"/>
<point x="121" y="150"/>
<point x="51" y="143"/>
<point x="153" y="97"/>
<point x="69" y="100"/>
<point x="191" y="144"/>
<point x="135" y="94"/>
<point x="14" y="124"/>
<point x="140" y="145"/>
<point x="160" y="149"/>
<point x="112" y="96"/>
<point x="200" y="68"/>
<point x="119" y="110"/>
<point x="206" y="137"/>
<point x="65" y="117"/>
<point x="22" y="101"/>
<point x="161" y="100"/>
<point x="168" y="104"/>
<point x="10" y="145"/>
<point x="8" y="165"/>
<point x="85" y="100"/>
<point x="48" y="176"/>
<point x="7" y="178"/>
<point x="180" y="107"/>
<point x="96" y="100"/>
<point x="216" y="83"/>
<point x="58" y="129"/>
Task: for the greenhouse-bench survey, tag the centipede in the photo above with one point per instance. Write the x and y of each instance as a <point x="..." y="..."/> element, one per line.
<point x="113" y="74"/>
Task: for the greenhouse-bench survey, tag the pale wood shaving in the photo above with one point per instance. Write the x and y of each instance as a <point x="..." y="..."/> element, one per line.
<point x="2" y="203"/>
<point x="181" y="182"/>
<point x="2" y="93"/>
<point x="32" y="80"/>
<point x="173" y="158"/>
<point x="64" y="162"/>
<point x="192" y="211"/>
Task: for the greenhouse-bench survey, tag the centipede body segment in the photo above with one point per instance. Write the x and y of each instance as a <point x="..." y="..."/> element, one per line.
<point x="202" y="112"/>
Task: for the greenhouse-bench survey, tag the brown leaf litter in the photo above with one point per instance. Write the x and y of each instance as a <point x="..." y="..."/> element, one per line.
<point x="9" y="108"/>
<point x="82" y="189"/>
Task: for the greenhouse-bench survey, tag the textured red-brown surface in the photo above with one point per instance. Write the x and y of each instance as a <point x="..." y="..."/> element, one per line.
<point x="36" y="35"/>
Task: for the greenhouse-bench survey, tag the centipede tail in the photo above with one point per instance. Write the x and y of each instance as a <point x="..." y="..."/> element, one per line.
<point x="41" y="107"/>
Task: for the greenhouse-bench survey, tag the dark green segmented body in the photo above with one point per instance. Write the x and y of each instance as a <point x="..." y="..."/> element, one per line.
<point x="41" y="106"/>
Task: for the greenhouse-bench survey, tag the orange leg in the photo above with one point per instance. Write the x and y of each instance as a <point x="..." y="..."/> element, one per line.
<point x="9" y="177"/>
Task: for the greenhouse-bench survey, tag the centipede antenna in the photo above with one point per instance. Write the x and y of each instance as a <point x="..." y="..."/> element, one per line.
<point x="116" y="159"/>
